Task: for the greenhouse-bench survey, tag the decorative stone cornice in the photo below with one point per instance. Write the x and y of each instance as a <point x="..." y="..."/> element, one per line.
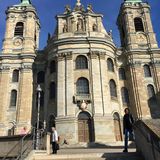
<point x="61" y="56"/>
<point x="4" y="68"/>
<point x="134" y="63"/>
<point x="26" y="67"/>
<point x="95" y="54"/>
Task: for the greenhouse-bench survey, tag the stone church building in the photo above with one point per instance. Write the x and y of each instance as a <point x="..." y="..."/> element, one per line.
<point x="86" y="80"/>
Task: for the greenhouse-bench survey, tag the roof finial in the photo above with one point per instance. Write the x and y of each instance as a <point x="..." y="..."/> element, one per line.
<point x="78" y="3"/>
<point x="25" y="2"/>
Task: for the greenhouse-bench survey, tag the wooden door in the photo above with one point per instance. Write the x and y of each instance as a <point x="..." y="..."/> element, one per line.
<point x="83" y="131"/>
<point x="117" y="130"/>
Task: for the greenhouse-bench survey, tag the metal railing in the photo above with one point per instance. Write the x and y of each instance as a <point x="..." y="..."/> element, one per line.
<point x="28" y="143"/>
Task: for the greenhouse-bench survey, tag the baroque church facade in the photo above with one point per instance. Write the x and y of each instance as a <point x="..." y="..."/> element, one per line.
<point x="86" y="80"/>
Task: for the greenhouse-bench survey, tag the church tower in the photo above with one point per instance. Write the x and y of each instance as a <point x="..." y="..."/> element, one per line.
<point x="141" y="57"/>
<point x="16" y="74"/>
<point x="22" y="29"/>
<point x="135" y="25"/>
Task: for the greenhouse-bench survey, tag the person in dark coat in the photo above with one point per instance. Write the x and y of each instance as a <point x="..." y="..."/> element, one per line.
<point x="127" y="128"/>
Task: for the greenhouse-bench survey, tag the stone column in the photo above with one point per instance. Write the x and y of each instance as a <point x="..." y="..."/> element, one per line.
<point x="61" y="87"/>
<point x="25" y="98"/>
<point x="70" y="111"/>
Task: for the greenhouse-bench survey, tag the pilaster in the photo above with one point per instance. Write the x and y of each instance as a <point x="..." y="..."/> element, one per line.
<point x="25" y="98"/>
<point x="61" y="110"/>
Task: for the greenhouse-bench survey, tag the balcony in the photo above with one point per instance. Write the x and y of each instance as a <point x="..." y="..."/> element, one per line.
<point x="80" y="97"/>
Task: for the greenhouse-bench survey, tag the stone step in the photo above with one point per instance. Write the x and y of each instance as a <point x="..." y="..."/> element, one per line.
<point x="89" y="154"/>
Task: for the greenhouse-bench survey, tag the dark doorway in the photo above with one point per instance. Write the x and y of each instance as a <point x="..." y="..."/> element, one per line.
<point x="51" y="122"/>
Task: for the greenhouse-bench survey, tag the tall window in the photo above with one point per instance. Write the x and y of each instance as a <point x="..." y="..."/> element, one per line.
<point x="81" y="62"/>
<point x="147" y="71"/>
<point x="82" y="86"/>
<point x="113" y="88"/>
<point x="122" y="74"/>
<point x="13" y="100"/>
<point x="125" y="95"/>
<point x="15" y="76"/>
<point x="52" y="93"/>
<point x="138" y="24"/>
<point x="151" y="92"/>
<point x="53" y="66"/>
<point x="110" y="65"/>
<point x="40" y="77"/>
<point x="19" y="29"/>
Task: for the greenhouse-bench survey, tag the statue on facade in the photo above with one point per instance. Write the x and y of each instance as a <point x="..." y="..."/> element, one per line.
<point x="65" y="28"/>
<point x="79" y="25"/>
<point x="95" y="28"/>
<point x="90" y="8"/>
<point x="67" y="9"/>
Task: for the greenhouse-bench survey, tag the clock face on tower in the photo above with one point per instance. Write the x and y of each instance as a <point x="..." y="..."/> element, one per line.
<point x="18" y="42"/>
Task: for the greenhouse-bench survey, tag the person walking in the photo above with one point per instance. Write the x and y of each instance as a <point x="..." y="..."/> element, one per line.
<point x="55" y="145"/>
<point x="127" y="128"/>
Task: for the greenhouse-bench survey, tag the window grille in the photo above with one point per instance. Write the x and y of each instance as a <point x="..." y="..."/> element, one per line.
<point x="81" y="62"/>
<point x="125" y="95"/>
<point x="113" y="88"/>
<point x="110" y="65"/>
<point x="122" y="74"/>
<point x="147" y="71"/>
<point x="138" y="24"/>
<point x="15" y="76"/>
<point x="82" y="86"/>
<point x="13" y="100"/>
<point x="19" y="29"/>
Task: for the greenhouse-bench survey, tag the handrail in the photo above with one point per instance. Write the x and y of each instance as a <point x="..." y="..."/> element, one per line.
<point x="18" y="144"/>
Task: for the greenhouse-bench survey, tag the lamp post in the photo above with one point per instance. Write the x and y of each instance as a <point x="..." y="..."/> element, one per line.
<point x="38" y="113"/>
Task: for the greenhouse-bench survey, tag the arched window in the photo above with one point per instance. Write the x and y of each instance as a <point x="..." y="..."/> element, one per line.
<point x="82" y="86"/>
<point x="81" y="62"/>
<point x="122" y="74"/>
<point x="52" y="90"/>
<point x="138" y="24"/>
<point x="147" y="71"/>
<point x="110" y="65"/>
<point x="13" y="100"/>
<point x="53" y="66"/>
<point x="125" y="95"/>
<point x="19" y="29"/>
<point x="15" y="76"/>
<point x="40" y="77"/>
<point x="113" y="88"/>
<point x="151" y="92"/>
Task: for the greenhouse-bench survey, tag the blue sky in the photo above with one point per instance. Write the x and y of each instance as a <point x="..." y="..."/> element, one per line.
<point x="48" y="9"/>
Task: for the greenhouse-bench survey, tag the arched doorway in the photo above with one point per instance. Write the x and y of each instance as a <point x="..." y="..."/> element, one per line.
<point x="117" y="127"/>
<point x="85" y="127"/>
<point x="51" y="122"/>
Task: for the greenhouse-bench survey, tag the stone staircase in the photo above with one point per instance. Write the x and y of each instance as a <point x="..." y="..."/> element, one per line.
<point x="114" y="153"/>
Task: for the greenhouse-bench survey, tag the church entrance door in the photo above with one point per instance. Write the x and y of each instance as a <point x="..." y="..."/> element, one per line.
<point x="84" y="127"/>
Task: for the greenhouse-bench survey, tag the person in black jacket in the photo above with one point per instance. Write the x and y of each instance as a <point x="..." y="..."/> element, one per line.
<point x="127" y="128"/>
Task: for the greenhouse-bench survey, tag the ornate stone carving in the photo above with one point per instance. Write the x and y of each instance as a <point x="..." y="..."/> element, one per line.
<point x="26" y="66"/>
<point x="18" y="42"/>
<point x="65" y="28"/>
<point x="5" y="68"/>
